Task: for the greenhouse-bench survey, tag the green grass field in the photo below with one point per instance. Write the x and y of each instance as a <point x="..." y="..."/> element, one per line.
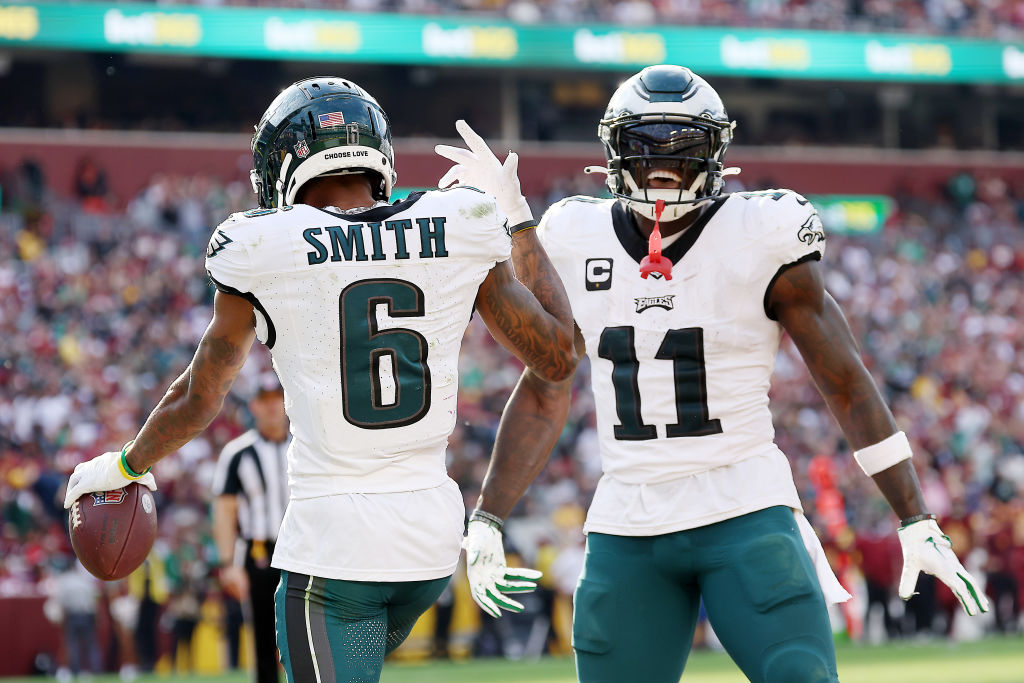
<point x="994" y="660"/>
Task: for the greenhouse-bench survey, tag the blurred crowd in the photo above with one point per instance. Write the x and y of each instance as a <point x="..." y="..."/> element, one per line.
<point x="1002" y="19"/>
<point x="101" y="307"/>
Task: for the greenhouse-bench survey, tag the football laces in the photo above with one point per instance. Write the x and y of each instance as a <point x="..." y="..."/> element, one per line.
<point x="76" y="515"/>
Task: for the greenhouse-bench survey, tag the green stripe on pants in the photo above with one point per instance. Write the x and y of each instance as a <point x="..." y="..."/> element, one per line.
<point x="333" y="631"/>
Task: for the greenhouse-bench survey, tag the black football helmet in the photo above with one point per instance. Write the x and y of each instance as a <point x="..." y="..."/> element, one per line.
<point x="320" y="126"/>
<point x="665" y="121"/>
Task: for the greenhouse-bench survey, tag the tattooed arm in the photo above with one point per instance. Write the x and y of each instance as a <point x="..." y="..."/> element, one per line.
<point x="536" y="412"/>
<point x="531" y="423"/>
<point x="195" y="398"/>
<point x="530" y="316"/>
<point x="810" y="315"/>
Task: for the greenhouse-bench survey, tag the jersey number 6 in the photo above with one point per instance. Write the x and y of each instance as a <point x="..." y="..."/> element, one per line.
<point x="364" y="347"/>
<point x="685" y="348"/>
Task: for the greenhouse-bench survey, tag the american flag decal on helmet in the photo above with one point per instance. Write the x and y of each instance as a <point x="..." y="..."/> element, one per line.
<point x="115" y="497"/>
<point x="331" y="119"/>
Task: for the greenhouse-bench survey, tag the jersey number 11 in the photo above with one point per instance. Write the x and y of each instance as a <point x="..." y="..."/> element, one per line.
<point x="685" y="348"/>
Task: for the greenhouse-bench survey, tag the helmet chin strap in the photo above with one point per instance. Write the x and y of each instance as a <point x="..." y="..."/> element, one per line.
<point x="654" y="262"/>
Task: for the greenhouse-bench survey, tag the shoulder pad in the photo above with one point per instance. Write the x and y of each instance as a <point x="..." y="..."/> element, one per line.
<point x="774" y="195"/>
<point x="575" y="203"/>
<point x="256" y="213"/>
<point x="473" y="204"/>
<point x="581" y="202"/>
<point x="459" y="187"/>
<point x="583" y="199"/>
<point x="786" y="221"/>
<point x="783" y="205"/>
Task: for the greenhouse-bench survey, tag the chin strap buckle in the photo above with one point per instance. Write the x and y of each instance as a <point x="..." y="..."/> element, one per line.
<point x="654" y="262"/>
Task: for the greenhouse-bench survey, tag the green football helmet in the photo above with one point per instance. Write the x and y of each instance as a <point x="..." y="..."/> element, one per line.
<point x="320" y="126"/>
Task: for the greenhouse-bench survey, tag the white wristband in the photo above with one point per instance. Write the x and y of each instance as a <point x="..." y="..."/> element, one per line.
<point x="884" y="454"/>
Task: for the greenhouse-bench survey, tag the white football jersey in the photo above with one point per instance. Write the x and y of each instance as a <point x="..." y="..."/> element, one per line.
<point x="364" y="314"/>
<point x="681" y="368"/>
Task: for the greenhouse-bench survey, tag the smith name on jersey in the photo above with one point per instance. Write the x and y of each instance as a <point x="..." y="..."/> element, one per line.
<point x="364" y="314"/>
<point x="688" y="360"/>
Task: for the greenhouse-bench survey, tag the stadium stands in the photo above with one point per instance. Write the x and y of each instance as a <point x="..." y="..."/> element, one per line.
<point x="1002" y="18"/>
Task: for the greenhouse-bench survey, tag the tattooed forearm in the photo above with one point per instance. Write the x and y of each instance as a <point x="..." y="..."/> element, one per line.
<point x="530" y="426"/>
<point x="191" y="402"/>
<point x="530" y="314"/>
<point x="533" y="268"/>
<point x="541" y="341"/>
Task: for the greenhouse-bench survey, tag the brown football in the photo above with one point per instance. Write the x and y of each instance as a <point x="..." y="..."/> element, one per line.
<point x="112" y="532"/>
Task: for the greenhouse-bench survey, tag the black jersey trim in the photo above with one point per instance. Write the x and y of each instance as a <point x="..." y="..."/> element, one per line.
<point x="635" y="243"/>
<point x="377" y="213"/>
<point x="813" y="256"/>
<point x="251" y="298"/>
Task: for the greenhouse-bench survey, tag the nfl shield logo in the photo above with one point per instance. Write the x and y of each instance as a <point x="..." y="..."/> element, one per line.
<point x="115" y="497"/>
<point x="302" y="149"/>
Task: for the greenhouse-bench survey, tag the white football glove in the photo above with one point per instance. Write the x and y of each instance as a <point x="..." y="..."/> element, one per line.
<point x="102" y="473"/>
<point x="479" y="168"/>
<point x="927" y="549"/>
<point x="489" y="578"/>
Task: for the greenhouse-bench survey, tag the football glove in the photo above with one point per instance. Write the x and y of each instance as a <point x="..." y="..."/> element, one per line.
<point x="489" y="578"/>
<point x="479" y="168"/>
<point x="103" y="473"/>
<point x="927" y="549"/>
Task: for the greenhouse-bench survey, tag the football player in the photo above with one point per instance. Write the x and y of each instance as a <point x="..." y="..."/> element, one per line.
<point x="681" y="295"/>
<point x="363" y="305"/>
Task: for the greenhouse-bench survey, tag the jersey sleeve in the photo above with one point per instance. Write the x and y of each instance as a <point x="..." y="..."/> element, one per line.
<point x="795" y="230"/>
<point x="555" y="231"/>
<point x="503" y="242"/>
<point x="482" y="230"/>
<point x="794" y="234"/>
<point x="227" y="260"/>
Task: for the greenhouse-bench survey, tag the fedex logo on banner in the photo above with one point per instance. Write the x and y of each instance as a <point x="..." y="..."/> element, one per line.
<point x="115" y="497"/>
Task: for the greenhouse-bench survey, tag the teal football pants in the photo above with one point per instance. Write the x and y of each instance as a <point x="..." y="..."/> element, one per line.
<point x="333" y="631"/>
<point x="637" y="600"/>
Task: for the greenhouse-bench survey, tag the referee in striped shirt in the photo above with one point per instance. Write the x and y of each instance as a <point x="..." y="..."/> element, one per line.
<point x="250" y="488"/>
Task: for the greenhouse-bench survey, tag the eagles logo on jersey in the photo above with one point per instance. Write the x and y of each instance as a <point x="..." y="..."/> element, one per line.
<point x="811" y="231"/>
<point x="217" y="243"/>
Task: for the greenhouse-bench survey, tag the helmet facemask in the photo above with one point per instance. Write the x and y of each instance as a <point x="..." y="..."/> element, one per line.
<point x="650" y="153"/>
